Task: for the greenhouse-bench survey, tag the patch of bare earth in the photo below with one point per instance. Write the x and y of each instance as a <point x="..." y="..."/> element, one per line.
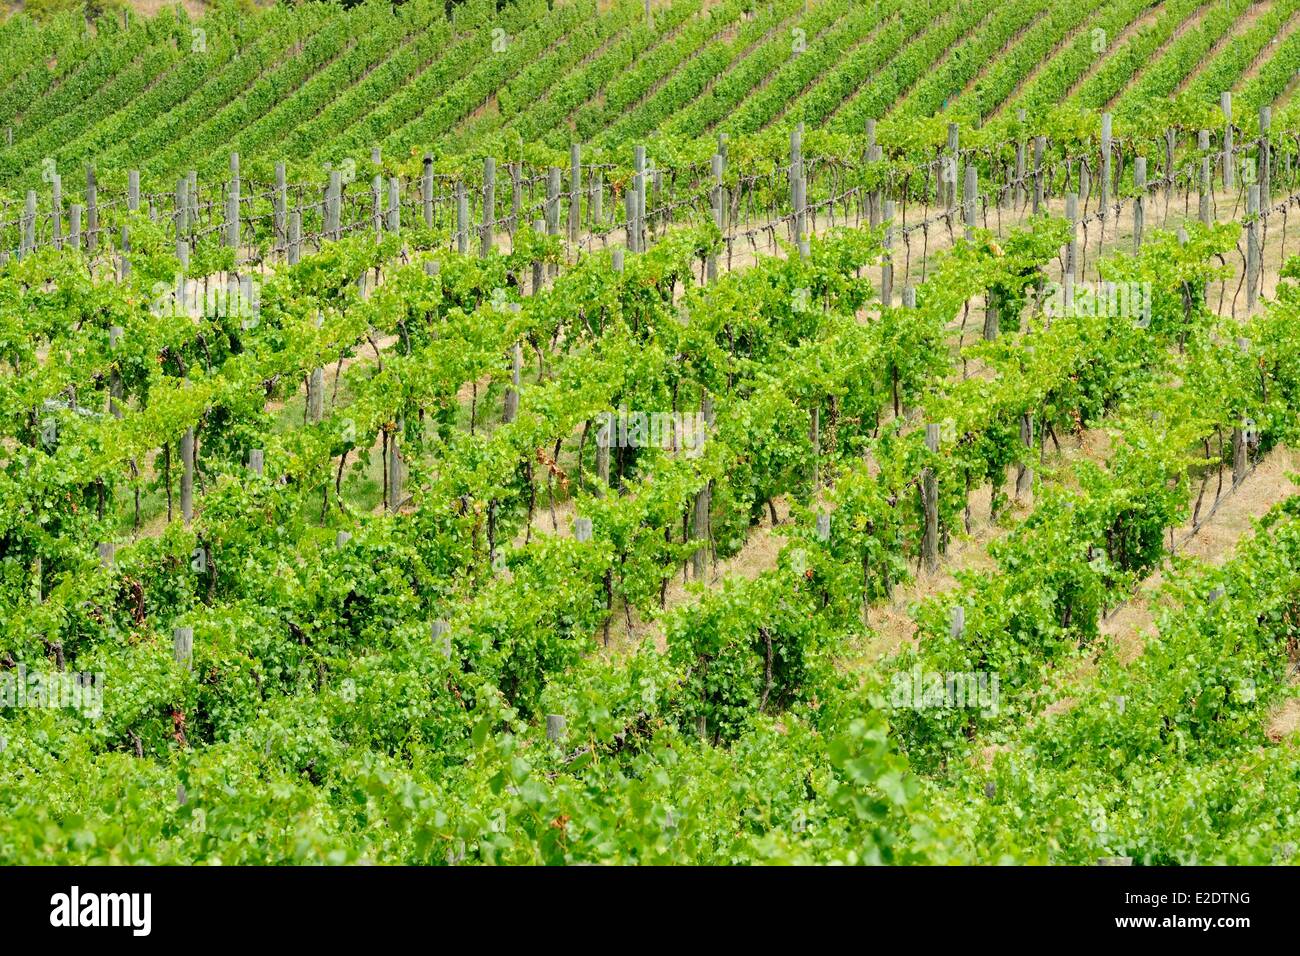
<point x="1284" y="721"/>
<point x="1213" y="543"/>
<point x="1117" y="41"/>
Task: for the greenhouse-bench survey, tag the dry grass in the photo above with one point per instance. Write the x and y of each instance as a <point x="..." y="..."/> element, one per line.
<point x="1284" y="720"/>
<point x="1213" y="544"/>
<point x="150" y="8"/>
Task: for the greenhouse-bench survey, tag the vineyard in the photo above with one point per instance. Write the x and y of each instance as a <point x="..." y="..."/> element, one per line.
<point x="699" y="431"/>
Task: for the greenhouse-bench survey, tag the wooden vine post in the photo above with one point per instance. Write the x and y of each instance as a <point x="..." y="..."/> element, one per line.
<point x="232" y="206"/>
<point x="488" y="235"/>
<point x="92" y="211"/>
<point x="1203" y="144"/>
<point x="1253" y="251"/>
<point x="1020" y="165"/>
<point x="638" y="194"/>
<point x="1225" y="104"/>
<point x="575" y="194"/>
<point x="187" y="475"/>
<point x="56" y="210"/>
<point x="951" y="173"/>
<point x="970" y="199"/>
<point x="280" y="209"/>
<point x="316" y="388"/>
<point x="887" y="265"/>
<point x="1139" y="201"/>
<point x="798" y="186"/>
<point x="295" y="237"/>
<point x="718" y="204"/>
<point x="462" y="219"/>
<point x="116" y="391"/>
<point x="1071" y="275"/>
<point x="394" y="213"/>
<point x="1040" y="144"/>
<point x="539" y="227"/>
<point x="930" y="503"/>
<point x="553" y="209"/>
<point x="875" y="196"/>
<point x="1265" y="163"/>
<point x="183" y="646"/>
<point x="1105" y="169"/>
<point x="395" y="467"/>
<point x="511" y="408"/>
<point x="426" y="189"/>
<point x="1024" y="473"/>
<point x="703" y="502"/>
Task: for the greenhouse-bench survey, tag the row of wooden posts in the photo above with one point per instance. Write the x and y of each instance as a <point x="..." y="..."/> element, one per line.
<point x="386" y="201"/>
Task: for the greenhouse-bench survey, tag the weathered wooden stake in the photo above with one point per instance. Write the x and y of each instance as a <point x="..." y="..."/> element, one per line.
<point x="394" y="205"/>
<point x="950" y="170"/>
<point x="539" y="274"/>
<point x="1203" y="144"/>
<point x="462" y="219"/>
<point x="887" y="265"/>
<point x="719" y="203"/>
<point x="703" y="502"/>
<point x="511" y="409"/>
<point x="183" y="646"/>
<point x="1253" y="251"/>
<point x="27" y="242"/>
<point x="295" y="237"/>
<point x="395" y="468"/>
<point x="1225" y="104"/>
<point x="426" y="189"/>
<point x="1040" y="144"/>
<point x="1020" y="165"/>
<point x="930" y="500"/>
<point x="487" y="235"/>
<point x="124" y="261"/>
<point x="575" y="193"/>
<point x="970" y="198"/>
<point x="1265" y="156"/>
<point x="92" y="211"/>
<point x="1105" y="167"/>
<point x="280" y="211"/>
<point x="56" y="210"/>
<point x="1140" y="201"/>
<point x="1072" y="251"/>
<point x="555" y="722"/>
<point x="116" y="390"/>
<point x="798" y="185"/>
<point x="232" y="206"/>
<point x="333" y="205"/>
<point x="187" y="475"/>
<point x="1024" y="473"/>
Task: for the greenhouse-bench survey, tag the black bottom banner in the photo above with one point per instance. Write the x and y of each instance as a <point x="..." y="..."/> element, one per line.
<point x="213" y="905"/>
